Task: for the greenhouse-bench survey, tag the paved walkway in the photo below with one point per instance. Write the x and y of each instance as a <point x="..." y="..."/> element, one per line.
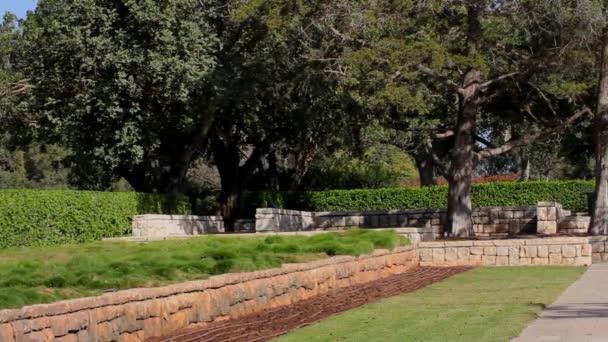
<point x="580" y="313"/>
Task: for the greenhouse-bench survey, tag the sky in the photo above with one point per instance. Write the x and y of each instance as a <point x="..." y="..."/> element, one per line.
<point x="18" y="7"/>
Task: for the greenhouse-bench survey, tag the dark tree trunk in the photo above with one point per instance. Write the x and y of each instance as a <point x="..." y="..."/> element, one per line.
<point x="426" y="168"/>
<point x="234" y="174"/>
<point x="227" y="159"/>
<point x="173" y="181"/>
<point x="599" y="222"/>
<point x="524" y="168"/>
<point x="462" y="166"/>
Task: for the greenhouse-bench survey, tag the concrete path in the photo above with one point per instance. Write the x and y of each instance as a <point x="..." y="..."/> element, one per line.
<point x="580" y="313"/>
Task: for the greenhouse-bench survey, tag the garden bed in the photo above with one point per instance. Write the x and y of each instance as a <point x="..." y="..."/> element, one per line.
<point x="47" y="274"/>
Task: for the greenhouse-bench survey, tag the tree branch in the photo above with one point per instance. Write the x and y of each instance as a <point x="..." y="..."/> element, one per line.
<point x="497" y="79"/>
<point x="444" y="135"/>
<point x="528" y="139"/>
<point x="446" y="81"/>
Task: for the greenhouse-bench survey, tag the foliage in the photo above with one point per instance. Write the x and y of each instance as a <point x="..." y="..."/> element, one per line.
<point x="51" y="217"/>
<point x="571" y="194"/>
<point x="40" y="275"/>
<point x="465" y="307"/>
<point x="119" y="83"/>
<point x="380" y="166"/>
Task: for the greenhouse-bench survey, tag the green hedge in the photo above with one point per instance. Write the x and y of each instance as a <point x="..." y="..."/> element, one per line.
<point x="48" y="217"/>
<point x="571" y="194"/>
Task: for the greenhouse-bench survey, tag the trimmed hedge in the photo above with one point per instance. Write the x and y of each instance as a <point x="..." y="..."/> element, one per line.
<point x="49" y="217"/>
<point x="571" y="194"/>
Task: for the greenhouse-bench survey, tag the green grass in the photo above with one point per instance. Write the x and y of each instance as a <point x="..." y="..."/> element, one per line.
<point x="46" y="274"/>
<point x="485" y="304"/>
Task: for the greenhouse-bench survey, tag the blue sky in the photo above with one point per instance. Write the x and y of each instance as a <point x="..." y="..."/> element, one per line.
<point x="18" y="7"/>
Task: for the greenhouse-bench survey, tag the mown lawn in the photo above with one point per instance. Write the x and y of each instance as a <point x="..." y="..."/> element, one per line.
<point x="46" y="274"/>
<point x="485" y="304"/>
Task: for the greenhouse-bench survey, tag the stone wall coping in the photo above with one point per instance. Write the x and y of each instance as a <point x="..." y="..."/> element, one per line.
<point x="177" y="217"/>
<point x="409" y="211"/>
<point x="142" y="294"/>
<point x="548" y="204"/>
<point x="275" y="211"/>
<point x="508" y="242"/>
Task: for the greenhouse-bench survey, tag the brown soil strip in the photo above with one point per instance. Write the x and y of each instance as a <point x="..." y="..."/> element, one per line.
<point x="265" y="325"/>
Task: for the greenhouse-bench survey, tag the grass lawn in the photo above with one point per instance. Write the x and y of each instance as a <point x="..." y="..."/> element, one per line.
<point x="41" y="275"/>
<point x="485" y="304"/>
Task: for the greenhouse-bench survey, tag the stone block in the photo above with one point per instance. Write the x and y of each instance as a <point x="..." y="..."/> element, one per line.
<point x="543" y="251"/>
<point x="426" y="254"/>
<point x="555" y="258"/>
<point x="438" y="255"/>
<point x="542" y="214"/>
<point x="547" y="227"/>
<point x="530" y="251"/>
<point x="569" y="251"/>
<point x="555" y="249"/>
<point x="582" y="261"/>
<point x="502" y="251"/>
<point x="463" y="254"/>
<point x="586" y="250"/>
<point x="540" y="261"/>
<point x="552" y="214"/>
<point x="6" y="333"/>
<point x="491" y="251"/>
<point x="518" y="214"/>
<point x="502" y="261"/>
<point x="353" y="221"/>
<point x="475" y="258"/>
<point x="506" y="214"/>
<point x="489" y="260"/>
<point x="451" y="254"/>
<point x="596" y="257"/>
<point x="477" y="250"/>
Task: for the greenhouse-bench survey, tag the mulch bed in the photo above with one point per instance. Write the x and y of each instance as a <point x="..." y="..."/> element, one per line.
<point x="272" y="323"/>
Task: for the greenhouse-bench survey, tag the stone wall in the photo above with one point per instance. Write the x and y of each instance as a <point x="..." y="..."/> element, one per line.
<point x="599" y="248"/>
<point x="275" y="220"/>
<point x="488" y="222"/>
<point x="137" y="314"/>
<point x="570" y="251"/>
<point x="152" y="226"/>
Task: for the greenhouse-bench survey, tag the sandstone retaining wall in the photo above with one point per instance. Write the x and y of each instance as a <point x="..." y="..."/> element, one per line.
<point x="134" y="315"/>
<point x="176" y="225"/>
<point x="488" y="222"/>
<point x="567" y="251"/>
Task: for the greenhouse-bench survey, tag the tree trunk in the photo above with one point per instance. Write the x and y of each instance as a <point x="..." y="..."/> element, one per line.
<point x="426" y="168"/>
<point x="172" y="182"/>
<point x="462" y="166"/>
<point x="227" y="159"/>
<point x="599" y="222"/>
<point x="524" y="168"/>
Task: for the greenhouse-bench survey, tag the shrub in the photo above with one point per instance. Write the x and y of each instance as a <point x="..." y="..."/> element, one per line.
<point x="49" y="217"/>
<point x="571" y="194"/>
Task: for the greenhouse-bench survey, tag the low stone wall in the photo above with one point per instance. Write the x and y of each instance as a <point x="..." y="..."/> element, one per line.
<point x="176" y="225"/>
<point x="488" y="222"/>
<point x="599" y="248"/>
<point x="570" y="251"/>
<point x="137" y="314"/>
<point x="274" y="220"/>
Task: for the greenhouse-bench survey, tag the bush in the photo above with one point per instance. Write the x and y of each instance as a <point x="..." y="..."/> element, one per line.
<point x="41" y="218"/>
<point x="571" y="194"/>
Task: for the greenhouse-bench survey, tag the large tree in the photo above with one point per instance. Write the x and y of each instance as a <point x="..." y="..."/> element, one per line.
<point x="127" y="85"/>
